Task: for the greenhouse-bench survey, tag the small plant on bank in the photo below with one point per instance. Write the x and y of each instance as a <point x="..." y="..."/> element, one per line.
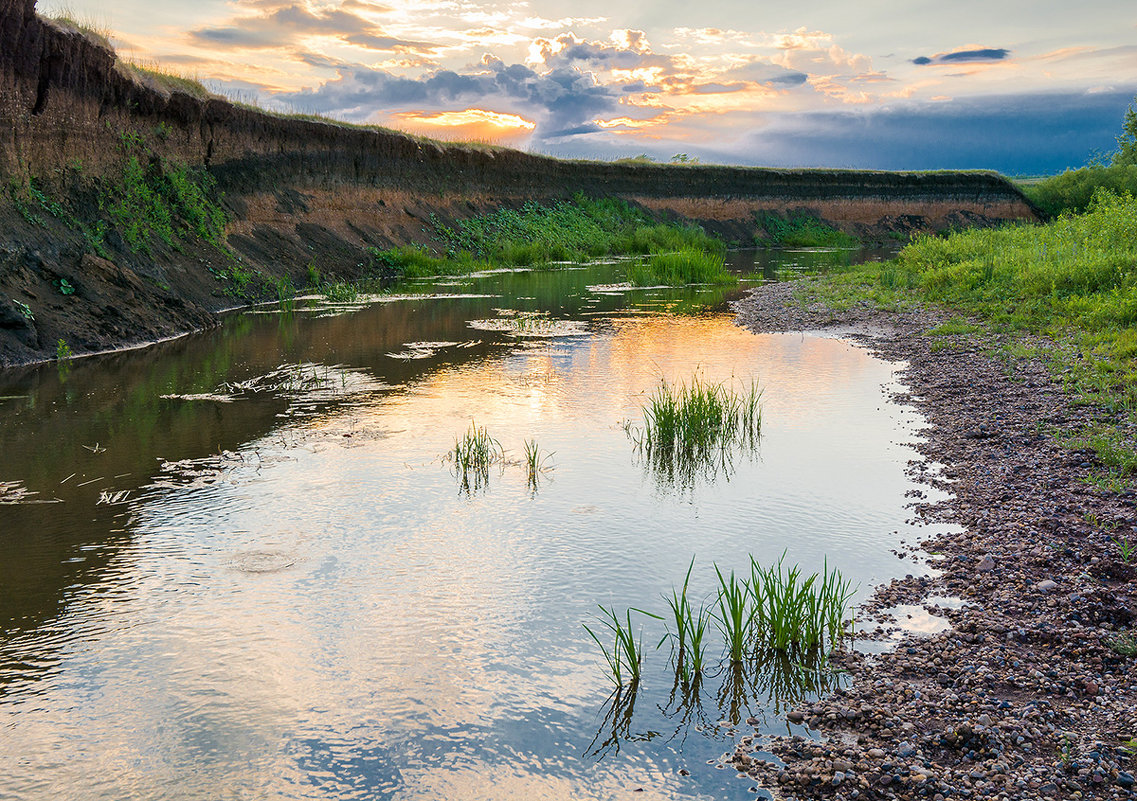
<point x="1123" y="644"/>
<point x="63" y="352"/>
<point x="25" y="310"/>
<point x="1125" y="549"/>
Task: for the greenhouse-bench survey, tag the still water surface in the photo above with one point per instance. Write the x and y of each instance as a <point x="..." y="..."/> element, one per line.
<point x="235" y="565"/>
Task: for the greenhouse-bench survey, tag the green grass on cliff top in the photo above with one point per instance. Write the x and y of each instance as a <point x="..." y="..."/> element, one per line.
<point x="1065" y="291"/>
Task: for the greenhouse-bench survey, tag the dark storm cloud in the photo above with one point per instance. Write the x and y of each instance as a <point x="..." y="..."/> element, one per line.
<point x="280" y="26"/>
<point x="984" y="55"/>
<point x="1017" y="134"/>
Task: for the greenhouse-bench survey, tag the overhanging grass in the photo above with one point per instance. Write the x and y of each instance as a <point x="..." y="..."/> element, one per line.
<point x="1072" y="282"/>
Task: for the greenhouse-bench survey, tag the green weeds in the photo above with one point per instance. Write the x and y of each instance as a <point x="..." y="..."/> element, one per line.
<point x="688" y="647"/>
<point x="682" y="267"/>
<point x="1125" y="549"/>
<point x="1123" y="644"/>
<point x="777" y="613"/>
<point x="1067" y="288"/>
<point x="625" y="657"/>
<point x="535" y="463"/>
<point x="63" y="351"/>
<point x="800" y="229"/>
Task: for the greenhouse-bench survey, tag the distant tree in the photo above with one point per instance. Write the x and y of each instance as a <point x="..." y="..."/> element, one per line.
<point x="683" y="158"/>
<point x="1127" y="142"/>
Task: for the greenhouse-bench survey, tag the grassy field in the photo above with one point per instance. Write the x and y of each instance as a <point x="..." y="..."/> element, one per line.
<point x="1070" y="284"/>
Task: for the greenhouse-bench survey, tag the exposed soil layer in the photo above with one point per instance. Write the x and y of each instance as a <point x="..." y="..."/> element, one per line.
<point x="1032" y="692"/>
<point x="303" y="192"/>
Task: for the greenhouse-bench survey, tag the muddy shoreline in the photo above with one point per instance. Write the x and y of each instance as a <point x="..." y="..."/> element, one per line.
<point x="1031" y="693"/>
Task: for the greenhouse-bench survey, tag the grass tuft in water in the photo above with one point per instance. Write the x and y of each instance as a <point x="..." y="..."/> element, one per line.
<point x="791" y="610"/>
<point x="693" y="428"/>
<point x="679" y="268"/>
<point x="474" y="453"/>
<point x="736" y="617"/>
<point x="687" y="639"/>
<point x="535" y="462"/>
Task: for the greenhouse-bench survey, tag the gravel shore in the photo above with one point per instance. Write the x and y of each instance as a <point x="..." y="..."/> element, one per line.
<point x="1032" y="691"/>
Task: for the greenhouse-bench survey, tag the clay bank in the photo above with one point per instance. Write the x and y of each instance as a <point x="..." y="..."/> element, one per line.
<point x="82" y="130"/>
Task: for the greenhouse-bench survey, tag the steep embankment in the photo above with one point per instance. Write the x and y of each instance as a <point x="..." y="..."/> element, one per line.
<point x="86" y="140"/>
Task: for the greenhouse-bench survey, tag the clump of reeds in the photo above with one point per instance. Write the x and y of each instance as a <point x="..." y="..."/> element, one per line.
<point x="626" y="654"/>
<point x="690" y="627"/>
<point x="776" y="613"/>
<point x="535" y="463"/>
<point x="474" y="453"/>
<point x="679" y="268"/>
<point x="790" y="610"/>
<point x="697" y="427"/>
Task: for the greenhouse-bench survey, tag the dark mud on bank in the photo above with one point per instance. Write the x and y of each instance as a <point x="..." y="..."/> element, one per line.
<point x="1029" y="694"/>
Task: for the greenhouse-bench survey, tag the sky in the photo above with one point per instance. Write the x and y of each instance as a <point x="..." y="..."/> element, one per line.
<point x="1025" y="87"/>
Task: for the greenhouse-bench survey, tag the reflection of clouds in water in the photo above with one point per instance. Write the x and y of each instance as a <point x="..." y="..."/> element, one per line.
<point x="418" y="644"/>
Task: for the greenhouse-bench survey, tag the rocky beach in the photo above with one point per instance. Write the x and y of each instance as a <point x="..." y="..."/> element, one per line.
<point x="1030" y="693"/>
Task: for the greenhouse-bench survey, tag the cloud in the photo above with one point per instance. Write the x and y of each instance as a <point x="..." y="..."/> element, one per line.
<point x="282" y="25"/>
<point x="560" y="100"/>
<point x="1014" y="134"/>
<point x="988" y="55"/>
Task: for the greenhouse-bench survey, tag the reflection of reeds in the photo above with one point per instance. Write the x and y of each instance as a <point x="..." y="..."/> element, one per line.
<point x="616" y="725"/>
<point x="692" y="429"/>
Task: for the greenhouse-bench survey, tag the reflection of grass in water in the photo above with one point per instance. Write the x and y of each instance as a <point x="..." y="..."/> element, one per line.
<point x="472" y="456"/>
<point x="695" y="429"/>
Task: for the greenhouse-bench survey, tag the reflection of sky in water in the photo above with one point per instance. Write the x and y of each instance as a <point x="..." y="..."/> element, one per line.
<point x="418" y="642"/>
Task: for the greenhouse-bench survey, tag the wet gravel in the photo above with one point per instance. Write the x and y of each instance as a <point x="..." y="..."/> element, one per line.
<point x="1030" y="694"/>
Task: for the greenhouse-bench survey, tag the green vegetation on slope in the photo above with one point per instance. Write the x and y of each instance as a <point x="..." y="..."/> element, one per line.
<point x="1072" y="282"/>
<point x="800" y="230"/>
<point x="538" y="235"/>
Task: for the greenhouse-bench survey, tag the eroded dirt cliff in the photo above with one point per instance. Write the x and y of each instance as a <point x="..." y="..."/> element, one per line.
<point x="302" y="192"/>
